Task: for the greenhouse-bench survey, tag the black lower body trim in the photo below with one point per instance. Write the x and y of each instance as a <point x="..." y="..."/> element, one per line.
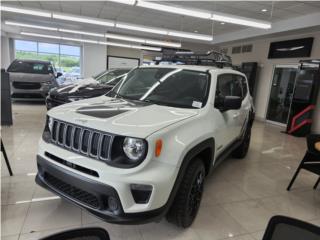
<point x="90" y="195"/>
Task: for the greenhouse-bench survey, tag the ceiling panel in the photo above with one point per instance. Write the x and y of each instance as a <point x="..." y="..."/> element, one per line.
<point x="143" y="16"/>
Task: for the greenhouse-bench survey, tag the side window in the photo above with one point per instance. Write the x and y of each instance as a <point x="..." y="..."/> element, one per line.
<point x="228" y="85"/>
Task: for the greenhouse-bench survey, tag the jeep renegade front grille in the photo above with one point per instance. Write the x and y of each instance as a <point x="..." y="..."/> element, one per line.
<point x="81" y="140"/>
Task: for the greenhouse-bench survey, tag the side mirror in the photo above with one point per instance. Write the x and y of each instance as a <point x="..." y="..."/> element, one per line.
<point x="225" y="103"/>
<point x="59" y="74"/>
<point x="280" y="228"/>
<point x="81" y="233"/>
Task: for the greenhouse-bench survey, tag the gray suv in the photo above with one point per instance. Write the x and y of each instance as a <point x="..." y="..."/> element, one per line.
<point x="31" y="78"/>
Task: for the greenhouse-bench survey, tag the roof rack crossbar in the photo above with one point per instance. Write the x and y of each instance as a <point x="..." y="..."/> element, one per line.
<point x="210" y="58"/>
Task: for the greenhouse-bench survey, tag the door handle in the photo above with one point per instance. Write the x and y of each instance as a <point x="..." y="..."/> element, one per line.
<point x="236" y="115"/>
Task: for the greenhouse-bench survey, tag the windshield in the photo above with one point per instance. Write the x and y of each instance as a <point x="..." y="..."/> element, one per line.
<point x="165" y="86"/>
<point x="30" y="67"/>
<point x="111" y="77"/>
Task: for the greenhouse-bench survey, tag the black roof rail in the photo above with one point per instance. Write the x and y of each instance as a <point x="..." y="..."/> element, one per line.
<point x="210" y="58"/>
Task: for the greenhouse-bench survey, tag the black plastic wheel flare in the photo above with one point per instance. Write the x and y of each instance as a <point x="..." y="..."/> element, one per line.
<point x="195" y="194"/>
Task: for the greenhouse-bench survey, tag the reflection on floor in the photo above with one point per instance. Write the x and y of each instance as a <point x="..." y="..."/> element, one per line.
<point x="240" y="196"/>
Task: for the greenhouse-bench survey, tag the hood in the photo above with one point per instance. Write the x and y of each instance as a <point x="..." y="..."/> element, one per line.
<point x="83" y="89"/>
<point x="30" y="77"/>
<point x="119" y="116"/>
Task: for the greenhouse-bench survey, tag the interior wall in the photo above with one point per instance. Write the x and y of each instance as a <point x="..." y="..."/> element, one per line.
<point x="260" y="54"/>
<point x="5" y="52"/>
<point x="94" y="59"/>
<point x="124" y="52"/>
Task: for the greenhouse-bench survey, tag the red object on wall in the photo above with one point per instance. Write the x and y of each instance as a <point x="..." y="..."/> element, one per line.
<point x="295" y="126"/>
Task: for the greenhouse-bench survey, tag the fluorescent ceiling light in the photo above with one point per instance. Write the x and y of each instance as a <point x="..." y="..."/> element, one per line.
<point x="130" y="46"/>
<point x="204" y="14"/>
<point x="163" y="43"/>
<point x="88" y="20"/>
<point x="110" y="23"/>
<point x="146" y="48"/>
<point x="40" y="35"/>
<point x="25" y="11"/>
<point x="81" y="32"/>
<point x="129" y="2"/>
<point x="190" y="35"/>
<point x="108" y="35"/>
<point x="79" y="40"/>
<point x="125" y="38"/>
<point x="91" y="41"/>
<point x="141" y="28"/>
<point x="175" y="10"/>
<point x="30" y="26"/>
<point x="240" y="21"/>
<point x="142" y="40"/>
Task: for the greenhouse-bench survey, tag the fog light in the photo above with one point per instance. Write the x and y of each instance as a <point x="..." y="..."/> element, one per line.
<point x="141" y="193"/>
<point x="113" y="204"/>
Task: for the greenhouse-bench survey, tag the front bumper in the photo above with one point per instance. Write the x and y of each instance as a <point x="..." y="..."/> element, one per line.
<point x="90" y="195"/>
<point x="20" y="93"/>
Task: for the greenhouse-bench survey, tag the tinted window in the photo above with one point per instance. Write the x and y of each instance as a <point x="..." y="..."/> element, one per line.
<point x="30" y="67"/>
<point x="229" y="85"/>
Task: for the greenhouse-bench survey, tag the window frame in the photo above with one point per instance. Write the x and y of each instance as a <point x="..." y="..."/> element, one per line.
<point x="58" y="54"/>
<point x="233" y="78"/>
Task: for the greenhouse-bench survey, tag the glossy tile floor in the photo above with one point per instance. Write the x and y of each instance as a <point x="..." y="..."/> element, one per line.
<point x="240" y="196"/>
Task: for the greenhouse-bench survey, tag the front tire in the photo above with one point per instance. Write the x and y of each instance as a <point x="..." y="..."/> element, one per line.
<point x="187" y="201"/>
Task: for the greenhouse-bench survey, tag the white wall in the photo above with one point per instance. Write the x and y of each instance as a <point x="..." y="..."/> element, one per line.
<point x="5" y="53"/>
<point x="260" y="54"/>
<point x="124" y="52"/>
<point x="94" y="59"/>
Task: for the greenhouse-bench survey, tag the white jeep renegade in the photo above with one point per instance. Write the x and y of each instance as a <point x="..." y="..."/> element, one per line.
<point x="143" y="150"/>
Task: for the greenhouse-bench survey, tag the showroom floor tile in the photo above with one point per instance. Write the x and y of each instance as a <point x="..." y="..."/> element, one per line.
<point x="240" y="196"/>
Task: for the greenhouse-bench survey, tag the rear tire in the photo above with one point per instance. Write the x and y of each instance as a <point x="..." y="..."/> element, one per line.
<point x="242" y="150"/>
<point x="187" y="201"/>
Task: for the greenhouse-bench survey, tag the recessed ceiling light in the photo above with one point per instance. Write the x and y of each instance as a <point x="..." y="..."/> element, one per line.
<point x="195" y="31"/>
<point x="264" y="10"/>
<point x="222" y="23"/>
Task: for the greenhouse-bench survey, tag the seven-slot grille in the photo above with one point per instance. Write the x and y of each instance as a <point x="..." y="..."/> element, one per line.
<point x="81" y="140"/>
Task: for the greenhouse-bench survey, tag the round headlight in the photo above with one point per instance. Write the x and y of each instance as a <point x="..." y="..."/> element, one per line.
<point x="134" y="148"/>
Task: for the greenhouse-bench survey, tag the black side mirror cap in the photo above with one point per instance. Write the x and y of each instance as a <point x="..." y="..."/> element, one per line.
<point x="225" y="103"/>
<point x="59" y="74"/>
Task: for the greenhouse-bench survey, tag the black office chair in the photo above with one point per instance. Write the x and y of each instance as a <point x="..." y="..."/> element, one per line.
<point x="285" y="228"/>
<point x="80" y="234"/>
<point x="311" y="160"/>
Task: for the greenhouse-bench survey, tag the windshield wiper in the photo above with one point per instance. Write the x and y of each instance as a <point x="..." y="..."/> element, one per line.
<point x="167" y="104"/>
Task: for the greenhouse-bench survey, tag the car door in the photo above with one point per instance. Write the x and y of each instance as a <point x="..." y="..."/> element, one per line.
<point x="226" y="86"/>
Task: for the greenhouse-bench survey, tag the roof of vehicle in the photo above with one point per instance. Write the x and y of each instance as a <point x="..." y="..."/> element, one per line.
<point x="32" y="61"/>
